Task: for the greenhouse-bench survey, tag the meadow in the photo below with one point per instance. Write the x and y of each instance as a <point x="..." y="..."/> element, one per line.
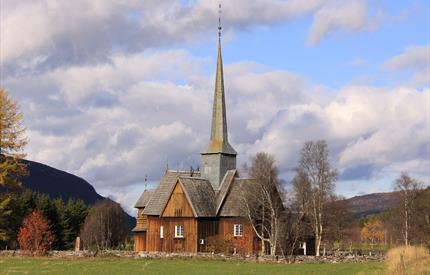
<point x="15" y="265"/>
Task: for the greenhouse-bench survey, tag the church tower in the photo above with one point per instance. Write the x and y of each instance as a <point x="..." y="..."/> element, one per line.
<point x="219" y="156"/>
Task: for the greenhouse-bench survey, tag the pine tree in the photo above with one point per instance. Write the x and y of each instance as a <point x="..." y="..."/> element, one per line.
<point x="12" y="142"/>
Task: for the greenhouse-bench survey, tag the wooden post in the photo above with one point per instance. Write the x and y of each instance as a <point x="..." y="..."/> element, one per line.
<point x="78" y="244"/>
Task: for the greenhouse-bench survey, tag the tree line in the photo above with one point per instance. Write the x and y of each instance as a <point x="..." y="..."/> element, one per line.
<point x="312" y="212"/>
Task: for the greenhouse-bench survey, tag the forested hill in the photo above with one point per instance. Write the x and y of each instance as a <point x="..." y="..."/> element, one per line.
<point x="57" y="183"/>
<point x="361" y="206"/>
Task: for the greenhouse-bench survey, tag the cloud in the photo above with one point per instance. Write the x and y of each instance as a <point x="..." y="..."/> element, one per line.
<point x="415" y="61"/>
<point x="349" y="16"/>
<point x="40" y="35"/>
<point x="414" y="57"/>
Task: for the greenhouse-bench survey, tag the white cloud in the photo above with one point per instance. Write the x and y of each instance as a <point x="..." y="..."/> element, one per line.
<point x="413" y="57"/>
<point x="42" y="34"/>
<point x="349" y="16"/>
<point x="416" y="60"/>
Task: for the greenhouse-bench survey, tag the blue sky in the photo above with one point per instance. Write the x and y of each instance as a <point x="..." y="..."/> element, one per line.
<point x="128" y="85"/>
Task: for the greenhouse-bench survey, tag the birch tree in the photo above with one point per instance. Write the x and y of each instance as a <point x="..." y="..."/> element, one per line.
<point x="317" y="179"/>
<point x="408" y="190"/>
<point x="263" y="203"/>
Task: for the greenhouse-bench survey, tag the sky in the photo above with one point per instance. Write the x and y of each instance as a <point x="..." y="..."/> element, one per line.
<point x="115" y="91"/>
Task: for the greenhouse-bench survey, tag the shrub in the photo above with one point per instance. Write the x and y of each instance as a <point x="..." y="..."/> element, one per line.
<point x="35" y="235"/>
<point x="408" y="260"/>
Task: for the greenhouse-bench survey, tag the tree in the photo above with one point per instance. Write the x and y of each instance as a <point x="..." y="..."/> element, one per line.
<point x="262" y="203"/>
<point x="373" y="232"/>
<point x="105" y="226"/>
<point x="5" y="214"/>
<point x="12" y="142"/>
<point x="408" y="191"/>
<point x="34" y="234"/>
<point x="74" y="217"/>
<point x="316" y="185"/>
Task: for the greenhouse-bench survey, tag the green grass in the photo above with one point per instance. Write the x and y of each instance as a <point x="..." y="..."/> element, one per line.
<point x="167" y="266"/>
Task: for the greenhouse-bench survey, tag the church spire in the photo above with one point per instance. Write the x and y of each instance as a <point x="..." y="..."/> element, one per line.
<point x="219" y="136"/>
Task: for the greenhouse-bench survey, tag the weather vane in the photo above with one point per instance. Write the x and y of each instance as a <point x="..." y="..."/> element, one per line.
<point x="219" y="21"/>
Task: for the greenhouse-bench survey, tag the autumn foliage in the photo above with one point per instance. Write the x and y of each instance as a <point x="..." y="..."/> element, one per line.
<point x="35" y="235"/>
<point x="373" y="232"/>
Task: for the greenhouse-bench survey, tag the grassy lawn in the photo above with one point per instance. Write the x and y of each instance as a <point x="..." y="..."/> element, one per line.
<point x="165" y="267"/>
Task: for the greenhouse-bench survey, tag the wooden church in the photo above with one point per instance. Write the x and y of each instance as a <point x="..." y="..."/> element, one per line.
<point x="196" y="211"/>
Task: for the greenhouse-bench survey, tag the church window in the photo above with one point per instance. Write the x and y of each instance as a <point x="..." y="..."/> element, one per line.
<point x="238" y="230"/>
<point x="179" y="231"/>
<point x="161" y="232"/>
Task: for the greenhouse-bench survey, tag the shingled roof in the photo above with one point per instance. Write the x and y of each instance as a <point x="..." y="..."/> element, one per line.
<point x="232" y="203"/>
<point x="200" y="194"/>
<point x="225" y="187"/>
<point x="162" y="192"/>
<point x="144" y="199"/>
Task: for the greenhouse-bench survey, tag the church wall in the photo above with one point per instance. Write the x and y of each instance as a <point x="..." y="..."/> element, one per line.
<point x="244" y="244"/>
<point x="140" y="241"/>
<point x="169" y="243"/>
<point x="178" y="205"/>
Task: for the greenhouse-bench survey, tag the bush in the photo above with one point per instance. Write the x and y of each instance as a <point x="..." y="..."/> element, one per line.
<point x="35" y="235"/>
<point x="408" y="260"/>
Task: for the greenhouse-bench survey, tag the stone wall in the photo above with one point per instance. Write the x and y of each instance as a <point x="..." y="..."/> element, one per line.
<point x="208" y="256"/>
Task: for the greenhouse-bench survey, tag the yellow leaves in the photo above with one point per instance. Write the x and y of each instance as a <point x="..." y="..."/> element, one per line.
<point x="12" y="142"/>
<point x="373" y="231"/>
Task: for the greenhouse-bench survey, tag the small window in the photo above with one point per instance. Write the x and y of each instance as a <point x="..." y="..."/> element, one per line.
<point x="161" y="232"/>
<point x="179" y="231"/>
<point x="238" y="230"/>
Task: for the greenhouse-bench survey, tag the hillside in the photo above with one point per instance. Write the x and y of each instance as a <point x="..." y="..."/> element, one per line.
<point x="57" y="183"/>
<point x="364" y="205"/>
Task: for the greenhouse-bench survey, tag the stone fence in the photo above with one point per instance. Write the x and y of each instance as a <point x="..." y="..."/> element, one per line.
<point x="207" y="256"/>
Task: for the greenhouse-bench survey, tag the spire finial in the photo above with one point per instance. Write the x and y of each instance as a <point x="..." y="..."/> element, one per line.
<point x="219" y="21"/>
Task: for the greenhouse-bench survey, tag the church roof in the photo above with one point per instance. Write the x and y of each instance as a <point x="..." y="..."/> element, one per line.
<point x="225" y="187"/>
<point x="162" y="193"/>
<point x="232" y="206"/>
<point x="200" y="194"/>
<point x="144" y="199"/>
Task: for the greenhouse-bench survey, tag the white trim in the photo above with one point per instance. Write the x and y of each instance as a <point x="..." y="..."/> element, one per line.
<point x="161" y="232"/>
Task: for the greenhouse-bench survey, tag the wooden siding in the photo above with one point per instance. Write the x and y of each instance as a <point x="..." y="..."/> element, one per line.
<point x="169" y="243"/>
<point x="244" y="244"/>
<point x="140" y="241"/>
<point x="178" y="205"/>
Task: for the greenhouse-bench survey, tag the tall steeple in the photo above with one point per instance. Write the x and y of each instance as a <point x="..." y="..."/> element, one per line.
<point x="219" y="135"/>
<point x="219" y="156"/>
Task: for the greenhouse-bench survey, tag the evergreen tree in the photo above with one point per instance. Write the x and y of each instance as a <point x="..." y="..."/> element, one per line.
<point x="74" y="216"/>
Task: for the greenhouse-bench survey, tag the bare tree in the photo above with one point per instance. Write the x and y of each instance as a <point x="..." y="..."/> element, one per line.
<point x="105" y="226"/>
<point x="316" y="185"/>
<point x="408" y="189"/>
<point x="262" y="201"/>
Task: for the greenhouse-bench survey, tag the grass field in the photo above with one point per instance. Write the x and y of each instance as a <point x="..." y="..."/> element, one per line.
<point x="165" y="267"/>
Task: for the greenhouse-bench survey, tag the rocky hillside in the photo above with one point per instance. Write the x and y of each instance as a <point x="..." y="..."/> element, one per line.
<point x="364" y="205"/>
